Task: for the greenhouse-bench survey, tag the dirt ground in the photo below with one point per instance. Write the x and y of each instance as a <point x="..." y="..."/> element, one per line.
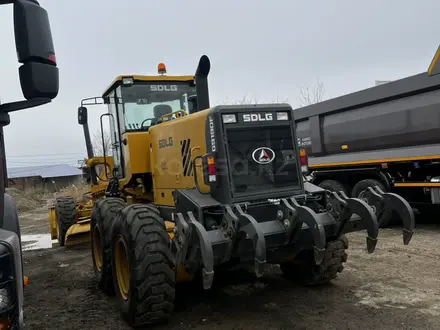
<point x="397" y="287"/>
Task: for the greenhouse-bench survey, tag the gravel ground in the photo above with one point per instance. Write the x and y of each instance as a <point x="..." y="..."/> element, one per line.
<point x="397" y="287"/>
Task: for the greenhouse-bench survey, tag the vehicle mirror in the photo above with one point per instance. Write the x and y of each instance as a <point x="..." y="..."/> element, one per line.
<point x="39" y="77"/>
<point x="192" y="103"/>
<point x="82" y="115"/>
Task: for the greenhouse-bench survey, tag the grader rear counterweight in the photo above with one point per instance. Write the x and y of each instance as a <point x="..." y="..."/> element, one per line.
<point x="195" y="187"/>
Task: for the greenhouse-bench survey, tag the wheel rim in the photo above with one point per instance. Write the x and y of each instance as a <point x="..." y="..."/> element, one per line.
<point x="122" y="268"/>
<point x="97" y="255"/>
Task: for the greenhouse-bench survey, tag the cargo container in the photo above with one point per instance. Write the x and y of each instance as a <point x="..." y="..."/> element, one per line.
<point x="386" y="136"/>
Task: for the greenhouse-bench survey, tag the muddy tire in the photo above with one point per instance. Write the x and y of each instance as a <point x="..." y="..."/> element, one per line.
<point x="386" y="218"/>
<point x="103" y="213"/>
<point x="143" y="266"/>
<point x="65" y="210"/>
<point x="305" y="272"/>
<point x="335" y="186"/>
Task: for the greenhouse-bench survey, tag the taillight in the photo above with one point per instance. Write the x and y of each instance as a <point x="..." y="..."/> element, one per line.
<point x="303" y="161"/>
<point x="211" y="169"/>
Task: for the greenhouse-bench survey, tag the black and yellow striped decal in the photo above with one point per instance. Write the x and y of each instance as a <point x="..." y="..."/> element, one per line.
<point x="186" y="159"/>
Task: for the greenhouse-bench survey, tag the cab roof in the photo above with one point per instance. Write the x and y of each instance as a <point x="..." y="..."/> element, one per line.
<point x="118" y="80"/>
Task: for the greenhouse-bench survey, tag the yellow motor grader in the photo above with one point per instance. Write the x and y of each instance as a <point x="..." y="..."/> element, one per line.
<point x="194" y="188"/>
<point x="69" y="221"/>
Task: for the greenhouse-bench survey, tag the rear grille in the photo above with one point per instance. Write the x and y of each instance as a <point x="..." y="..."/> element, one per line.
<point x="249" y="177"/>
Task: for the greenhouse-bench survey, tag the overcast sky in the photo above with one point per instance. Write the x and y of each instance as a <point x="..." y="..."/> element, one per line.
<point x="258" y="49"/>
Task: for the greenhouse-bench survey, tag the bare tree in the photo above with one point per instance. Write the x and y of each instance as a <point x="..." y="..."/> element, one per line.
<point x="251" y="100"/>
<point x="98" y="147"/>
<point x="311" y="95"/>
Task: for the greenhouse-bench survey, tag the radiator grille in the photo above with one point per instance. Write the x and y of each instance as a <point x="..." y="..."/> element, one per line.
<point x="249" y="177"/>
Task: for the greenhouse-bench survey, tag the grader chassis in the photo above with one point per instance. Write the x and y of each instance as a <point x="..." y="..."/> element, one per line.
<point x="179" y="204"/>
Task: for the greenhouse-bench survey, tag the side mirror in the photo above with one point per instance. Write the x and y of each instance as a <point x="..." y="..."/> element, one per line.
<point x="82" y="115"/>
<point x="192" y="103"/>
<point x="39" y="76"/>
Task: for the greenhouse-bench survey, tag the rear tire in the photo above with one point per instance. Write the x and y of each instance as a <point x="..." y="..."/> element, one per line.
<point x="335" y="186"/>
<point x="385" y="218"/>
<point x="103" y="213"/>
<point x="304" y="271"/>
<point x="65" y="210"/>
<point x="143" y="267"/>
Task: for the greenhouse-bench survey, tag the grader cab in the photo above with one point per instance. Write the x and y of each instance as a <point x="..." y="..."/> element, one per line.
<point x="194" y="187"/>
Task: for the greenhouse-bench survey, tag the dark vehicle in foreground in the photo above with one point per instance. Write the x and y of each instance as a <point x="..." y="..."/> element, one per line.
<point x="39" y="83"/>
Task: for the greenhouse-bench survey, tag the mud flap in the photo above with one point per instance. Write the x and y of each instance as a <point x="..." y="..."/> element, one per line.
<point x="297" y="215"/>
<point x="381" y="200"/>
<point x="342" y="207"/>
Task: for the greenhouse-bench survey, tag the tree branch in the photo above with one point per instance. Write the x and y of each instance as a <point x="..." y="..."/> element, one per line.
<point x="311" y="96"/>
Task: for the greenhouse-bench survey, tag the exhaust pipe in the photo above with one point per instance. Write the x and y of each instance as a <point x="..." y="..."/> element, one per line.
<point x="201" y="78"/>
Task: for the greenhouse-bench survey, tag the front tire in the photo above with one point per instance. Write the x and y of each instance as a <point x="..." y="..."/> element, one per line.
<point x="143" y="267"/>
<point x="304" y="271"/>
<point x="65" y="210"/>
<point x="101" y="222"/>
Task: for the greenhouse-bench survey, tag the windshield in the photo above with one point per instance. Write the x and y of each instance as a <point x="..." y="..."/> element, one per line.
<point x="144" y="104"/>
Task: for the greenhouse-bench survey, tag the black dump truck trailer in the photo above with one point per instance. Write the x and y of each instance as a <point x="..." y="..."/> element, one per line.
<point x="386" y="136"/>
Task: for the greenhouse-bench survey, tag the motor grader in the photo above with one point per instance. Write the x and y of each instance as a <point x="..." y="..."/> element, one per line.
<point x="196" y="188"/>
<point x="69" y="220"/>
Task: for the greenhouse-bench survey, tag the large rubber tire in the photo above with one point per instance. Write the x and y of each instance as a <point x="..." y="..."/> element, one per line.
<point x="386" y="218"/>
<point x="65" y="210"/>
<point x="102" y="217"/>
<point x="304" y="271"/>
<point x="334" y="185"/>
<point x="147" y="272"/>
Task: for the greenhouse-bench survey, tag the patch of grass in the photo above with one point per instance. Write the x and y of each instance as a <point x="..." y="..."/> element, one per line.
<point x="76" y="191"/>
<point x="31" y="199"/>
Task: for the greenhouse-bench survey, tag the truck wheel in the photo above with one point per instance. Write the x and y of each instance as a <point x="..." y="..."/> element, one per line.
<point x="65" y="210"/>
<point x="385" y="218"/>
<point x="143" y="267"/>
<point x="334" y="185"/>
<point x="102" y="217"/>
<point x="304" y="271"/>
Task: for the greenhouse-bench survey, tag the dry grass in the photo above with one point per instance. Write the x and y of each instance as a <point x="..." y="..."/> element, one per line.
<point x="27" y="200"/>
<point x="77" y="192"/>
<point x="31" y="199"/>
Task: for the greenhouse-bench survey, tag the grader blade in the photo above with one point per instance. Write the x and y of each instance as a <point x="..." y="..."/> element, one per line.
<point x="78" y="233"/>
